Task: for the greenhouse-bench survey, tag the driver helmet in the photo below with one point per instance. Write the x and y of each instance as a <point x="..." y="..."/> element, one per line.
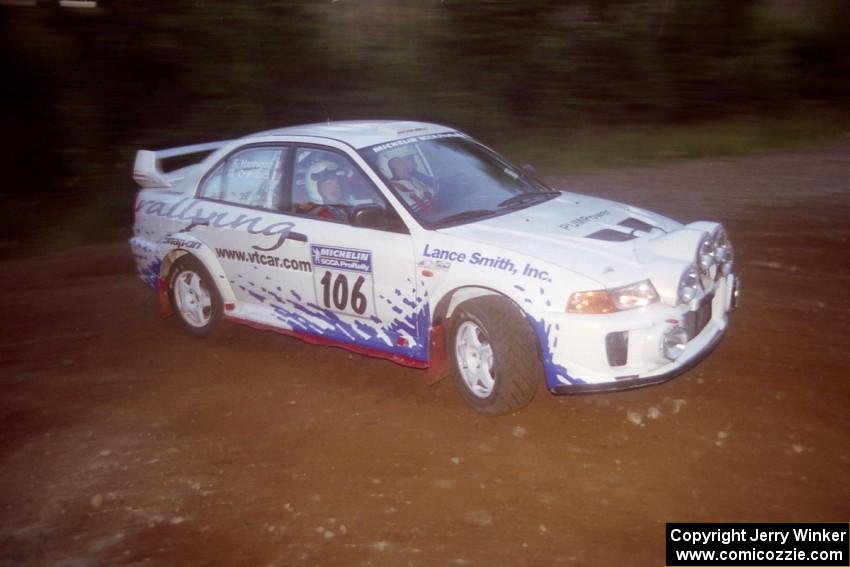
<point x="384" y="158"/>
<point x="318" y="172"/>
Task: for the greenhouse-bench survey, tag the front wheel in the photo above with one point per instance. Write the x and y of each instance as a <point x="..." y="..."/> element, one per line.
<point x="494" y="354"/>
<point x="194" y="296"/>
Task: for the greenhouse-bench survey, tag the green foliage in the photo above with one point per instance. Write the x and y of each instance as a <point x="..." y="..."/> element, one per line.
<point x="88" y="88"/>
<point x="594" y="146"/>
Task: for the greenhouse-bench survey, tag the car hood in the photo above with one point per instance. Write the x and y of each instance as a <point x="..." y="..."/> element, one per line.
<point x="596" y="238"/>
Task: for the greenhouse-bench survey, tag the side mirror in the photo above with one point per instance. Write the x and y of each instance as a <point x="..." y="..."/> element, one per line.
<point x="370" y="216"/>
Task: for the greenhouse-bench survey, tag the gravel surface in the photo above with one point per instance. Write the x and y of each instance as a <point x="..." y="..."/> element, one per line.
<point x="125" y="441"/>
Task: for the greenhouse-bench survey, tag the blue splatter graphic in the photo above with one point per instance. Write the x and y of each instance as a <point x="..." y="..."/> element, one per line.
<point x="276" y="296"/>
<point x="150" y="273"/>
<point x="556" y="374"/>
<point x="147" y="263"/>
<point x="411" y="328"/>
<point x="366" y="329"/>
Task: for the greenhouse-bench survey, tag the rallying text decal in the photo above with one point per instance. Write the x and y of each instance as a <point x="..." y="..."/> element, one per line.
<point x="190" y="210"/>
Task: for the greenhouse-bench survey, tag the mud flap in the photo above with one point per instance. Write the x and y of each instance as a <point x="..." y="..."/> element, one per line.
<point x="165" y="308"/>
<point x="438" y="364"/>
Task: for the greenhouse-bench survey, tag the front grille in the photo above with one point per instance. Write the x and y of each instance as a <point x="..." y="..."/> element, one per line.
<point x="695" y="321"/>
<point x="617" y="348"/>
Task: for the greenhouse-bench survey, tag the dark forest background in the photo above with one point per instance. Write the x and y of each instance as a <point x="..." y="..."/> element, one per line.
<point x="83" y="89"/>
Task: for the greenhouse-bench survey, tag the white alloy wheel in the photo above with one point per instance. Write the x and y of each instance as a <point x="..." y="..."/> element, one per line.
<point x="475" y="359"/>
<point x="496" y="365"/>
<point x="194" y="296"/>
<point x="192" y="299"/>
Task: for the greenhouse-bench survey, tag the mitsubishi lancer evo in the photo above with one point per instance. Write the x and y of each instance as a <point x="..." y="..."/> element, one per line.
<point x="415" y="243"/>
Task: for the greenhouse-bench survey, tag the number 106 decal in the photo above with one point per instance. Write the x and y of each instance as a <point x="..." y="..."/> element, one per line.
<point x="345" y="292"/>
<point x="343" y="279"/>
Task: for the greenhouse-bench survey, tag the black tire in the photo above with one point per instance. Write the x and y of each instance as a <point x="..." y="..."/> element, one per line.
<point x="209" y="313"/>
<point x="515" y="367"/>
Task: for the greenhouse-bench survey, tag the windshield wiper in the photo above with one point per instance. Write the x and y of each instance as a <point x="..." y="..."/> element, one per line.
<point x="528" y="197"/>
<point x="465" y="215"/>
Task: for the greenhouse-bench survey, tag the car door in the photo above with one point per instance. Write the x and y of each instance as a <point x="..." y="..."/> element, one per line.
<point x="238" y="216"/>
<point x="361" y="289"/>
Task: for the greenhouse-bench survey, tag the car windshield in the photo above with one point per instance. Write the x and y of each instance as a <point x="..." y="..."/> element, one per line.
<point x="450" y="179"/>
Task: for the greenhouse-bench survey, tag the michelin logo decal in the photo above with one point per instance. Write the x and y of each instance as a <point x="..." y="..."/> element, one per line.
<point x="341" y="258"/>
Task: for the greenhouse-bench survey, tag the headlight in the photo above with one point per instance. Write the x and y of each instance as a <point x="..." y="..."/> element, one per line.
<point x="705" y="254"/>
<point x="689" y="285"/>
<point x="729" y="261"/>
<point x="638" y="294"/>
<point x="630" y="296"/>
<point x="724" y="253"/>
<point x="721" y="242"/>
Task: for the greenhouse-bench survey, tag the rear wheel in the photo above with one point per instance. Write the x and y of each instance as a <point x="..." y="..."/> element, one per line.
<point x="194" y="296"/>
<point x="494" y="354"/>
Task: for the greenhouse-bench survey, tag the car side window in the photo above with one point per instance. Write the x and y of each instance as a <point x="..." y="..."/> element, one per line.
<point x="328" y="185"/>
<point x="252" y="177"/>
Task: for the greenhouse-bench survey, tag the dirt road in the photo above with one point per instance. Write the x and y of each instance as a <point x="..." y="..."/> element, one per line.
<point x="125" y="441"/>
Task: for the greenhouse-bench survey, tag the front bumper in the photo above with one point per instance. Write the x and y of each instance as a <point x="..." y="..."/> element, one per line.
<point x="579" y="356"/>
<point x="636" y="382"/>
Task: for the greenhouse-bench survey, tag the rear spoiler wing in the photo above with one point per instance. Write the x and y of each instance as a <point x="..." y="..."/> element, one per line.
<point x="147" y="172"/>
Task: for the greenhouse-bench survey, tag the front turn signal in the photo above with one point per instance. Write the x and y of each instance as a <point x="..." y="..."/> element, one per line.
<point x="595" y="301"/>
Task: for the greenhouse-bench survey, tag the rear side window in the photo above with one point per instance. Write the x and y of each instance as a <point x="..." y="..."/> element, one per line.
<point x="252" y="177"/>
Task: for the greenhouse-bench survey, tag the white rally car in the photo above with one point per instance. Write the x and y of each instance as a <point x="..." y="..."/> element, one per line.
<point x="415" y="243"/>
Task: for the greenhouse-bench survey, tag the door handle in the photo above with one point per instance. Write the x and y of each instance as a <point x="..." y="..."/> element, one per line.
<point x="297" y="236"/>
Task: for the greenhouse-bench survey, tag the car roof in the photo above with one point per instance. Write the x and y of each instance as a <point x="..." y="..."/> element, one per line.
<point x="360" y="133"/>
